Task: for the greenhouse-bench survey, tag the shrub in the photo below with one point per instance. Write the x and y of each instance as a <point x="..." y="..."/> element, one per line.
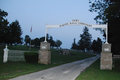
<point x="31" y="57"/>
<point x="117" y="64"/>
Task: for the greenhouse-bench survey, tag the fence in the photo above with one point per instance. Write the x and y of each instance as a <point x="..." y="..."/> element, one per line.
<point x="16" y="55"/>
<point x="116" y="56"/>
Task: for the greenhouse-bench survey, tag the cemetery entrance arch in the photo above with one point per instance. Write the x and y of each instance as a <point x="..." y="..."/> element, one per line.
<point x="77" y="22"/>
<point x="106" y="55"/>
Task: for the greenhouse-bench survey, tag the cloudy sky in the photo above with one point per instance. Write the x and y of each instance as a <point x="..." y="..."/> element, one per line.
<point x="38" y="13"/>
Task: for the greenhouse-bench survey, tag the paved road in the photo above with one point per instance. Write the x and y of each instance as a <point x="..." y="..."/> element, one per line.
<point x="67" y="71"/>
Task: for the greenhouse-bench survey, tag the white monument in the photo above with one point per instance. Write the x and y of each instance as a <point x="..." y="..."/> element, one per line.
<point x="5" y="56"/>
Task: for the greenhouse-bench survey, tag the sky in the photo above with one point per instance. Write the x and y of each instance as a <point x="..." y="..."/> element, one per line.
<point x="38" y="13"/>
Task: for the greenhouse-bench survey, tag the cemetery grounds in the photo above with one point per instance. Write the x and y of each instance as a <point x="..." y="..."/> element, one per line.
<point x="13" y="69"/>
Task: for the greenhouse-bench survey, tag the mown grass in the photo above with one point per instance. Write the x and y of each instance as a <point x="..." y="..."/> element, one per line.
<point x="13" y="69"/>
<point x="55" y="57"/>
<point x="94" y="73"/>
<point x="22" y="47"/>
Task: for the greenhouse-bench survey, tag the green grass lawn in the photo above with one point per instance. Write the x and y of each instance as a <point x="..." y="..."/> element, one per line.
<point x="13" y="69"/>
<point x="24" y="48"/>
<point x="94" y="73"/>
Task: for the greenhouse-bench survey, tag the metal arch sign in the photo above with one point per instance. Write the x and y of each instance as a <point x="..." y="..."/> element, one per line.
<point x="77" y="22"/>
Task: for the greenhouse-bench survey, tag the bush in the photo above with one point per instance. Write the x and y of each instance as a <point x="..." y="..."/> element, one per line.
<point x="117" y="64"/>
<point x="31" y="57"/>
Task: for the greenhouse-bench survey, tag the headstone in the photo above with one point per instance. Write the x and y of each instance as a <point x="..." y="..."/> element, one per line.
<point x="44" y="53"/>
<point x="106" y="57"/>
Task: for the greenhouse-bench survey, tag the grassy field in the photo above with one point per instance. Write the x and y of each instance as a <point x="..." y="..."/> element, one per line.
<point x="25" y="48"/>
<point x="94" y="73"/>
<point x="13" y="69"/>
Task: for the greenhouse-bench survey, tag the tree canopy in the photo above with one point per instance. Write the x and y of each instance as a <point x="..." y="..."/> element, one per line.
<point x="58" y="43"/>
<point x="85" y="41"/>
<point x="9" y="33"/>
<point x="97" y="45"/>
<point x="27" y="39"/>
<point x="15" y="33"/>
<point x="37" y="41"/>
<point x="74" y="45"/>
<point x="3" y="25"/>
<point x="108" y="12"/>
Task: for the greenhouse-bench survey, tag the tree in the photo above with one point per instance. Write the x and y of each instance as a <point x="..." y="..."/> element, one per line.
<point x="9" y="34"/>
<point x="27" y="39"/>
<point x="47" y="37"/>
<point x="42" y="39"/>
<point x="15" y="33"/>
<point x="94" y="46"/>
<point x="81" y="45"/>
<point x="58" y="43"/>
<point x="97" y="45"/>
<point x="51" y="41"/>
<point x="108" y="12"/>
<point x="3" y="26"/>
<point x="37" y="42"/>
<point x="85" y="41"/>
<point x="32" y="42"/>
<point x="74" y="45"/>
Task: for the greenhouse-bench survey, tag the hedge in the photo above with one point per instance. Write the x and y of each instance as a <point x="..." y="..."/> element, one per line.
<point x="31" y="57"/>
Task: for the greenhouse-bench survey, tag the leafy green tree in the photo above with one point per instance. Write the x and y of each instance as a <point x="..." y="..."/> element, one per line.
<point x="32" y="42"/>
<point x="27" y="39"/>
<point x="37" y="42"/>
<point x="42" y="39"/>
<point x="58" y="43"/>
<point x="81" y="45"/>
<point x="51" y="41"/>
<point x="9" y="34"/>
<point x="85" y="41"/>
<point x="15" y="33"/>
<point x="97" y="45"/>
<point x="108" y="12"/>
<point x="94" y="46"/>
<point x="3" y="26"/>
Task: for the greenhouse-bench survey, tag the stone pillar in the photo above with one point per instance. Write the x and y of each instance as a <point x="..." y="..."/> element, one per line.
<point x="106" y="57"/>
<point x="5" y="56"/>
<point x="44" y="53"/>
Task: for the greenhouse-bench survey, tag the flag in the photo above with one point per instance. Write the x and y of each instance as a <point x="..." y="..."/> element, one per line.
<point x="31" y="29"/>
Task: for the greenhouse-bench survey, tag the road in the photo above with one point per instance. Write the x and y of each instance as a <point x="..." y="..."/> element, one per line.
<point x="67" y="71"/>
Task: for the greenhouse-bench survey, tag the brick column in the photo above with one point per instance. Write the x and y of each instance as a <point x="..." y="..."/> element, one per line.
<point x="106" y="57"/>
<point x="44" y="53"/>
